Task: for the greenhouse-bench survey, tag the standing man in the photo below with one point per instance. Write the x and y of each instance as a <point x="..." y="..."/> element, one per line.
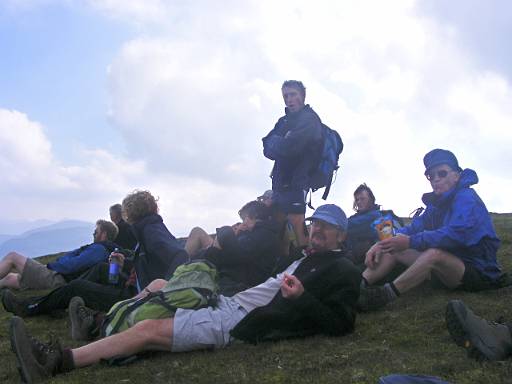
<point x="295" y="144"/>
<point x="454" y="239"/>
<point x="125" y="238"/>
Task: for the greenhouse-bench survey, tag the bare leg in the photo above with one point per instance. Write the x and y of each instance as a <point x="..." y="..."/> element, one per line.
<point x="12" y="262"/>
<point x="143" y="336"/>
<point x="12" y="280"/>
<point x="297" y="220"/>
<point x="446" y="266"/>
<point x="387" y="263"/>
<point x="197" y="239"/>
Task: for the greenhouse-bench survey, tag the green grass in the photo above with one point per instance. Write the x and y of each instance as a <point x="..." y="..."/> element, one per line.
<point x="408" y="337"/>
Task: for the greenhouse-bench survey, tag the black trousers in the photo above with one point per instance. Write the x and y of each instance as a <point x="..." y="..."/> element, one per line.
<point x="92" y="287"/>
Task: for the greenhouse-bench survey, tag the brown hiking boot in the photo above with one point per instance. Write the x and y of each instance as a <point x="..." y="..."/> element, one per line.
<point x="12" y="304"/>
<point x="484" y="340"/>
<point x="36" y="361"/>
<point x="81" y="318"/>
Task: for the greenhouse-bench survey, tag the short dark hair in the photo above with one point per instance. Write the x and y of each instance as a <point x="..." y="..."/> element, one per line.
<point x="295" y="84"/>
<point x="138" y="205"/>
<point x="109" y="228"/>
<point x="361" y="188"/>
<point x="117" y="209"/>
<point x="255" y="210"/>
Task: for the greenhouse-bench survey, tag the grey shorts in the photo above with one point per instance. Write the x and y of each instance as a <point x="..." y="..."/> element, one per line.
<point x="36" y="276"/>
<point x="206" y="328"/>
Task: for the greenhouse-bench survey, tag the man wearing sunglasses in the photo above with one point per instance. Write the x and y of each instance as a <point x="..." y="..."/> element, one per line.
<point x="453" y="240"/>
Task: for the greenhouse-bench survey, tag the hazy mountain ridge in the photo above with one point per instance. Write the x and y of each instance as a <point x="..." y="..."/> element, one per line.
<point x="57" y="237"/>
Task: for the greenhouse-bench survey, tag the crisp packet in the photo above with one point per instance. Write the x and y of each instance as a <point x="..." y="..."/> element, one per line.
<point x="384" y="227"/>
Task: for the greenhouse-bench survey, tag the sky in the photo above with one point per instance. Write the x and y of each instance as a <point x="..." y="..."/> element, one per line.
<point x="102" y="97"/>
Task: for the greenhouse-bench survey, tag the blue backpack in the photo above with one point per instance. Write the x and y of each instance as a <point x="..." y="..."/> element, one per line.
<point x="322" y="174"/>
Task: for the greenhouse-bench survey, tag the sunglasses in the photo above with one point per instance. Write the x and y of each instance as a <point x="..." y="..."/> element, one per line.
<point x="441" y="174"/>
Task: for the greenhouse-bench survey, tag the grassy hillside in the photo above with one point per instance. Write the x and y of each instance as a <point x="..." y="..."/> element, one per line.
<point x="408" y="337"/>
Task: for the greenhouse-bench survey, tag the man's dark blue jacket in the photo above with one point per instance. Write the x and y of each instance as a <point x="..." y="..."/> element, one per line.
<point x="157" y="253"/>
<point x="295" y="144"/>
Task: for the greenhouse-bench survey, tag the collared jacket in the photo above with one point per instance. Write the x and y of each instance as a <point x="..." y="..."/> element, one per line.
<point x="327" y="306"/>
<point x="245" y="260"/>
<point x="295" y="145"/>
<point x="157" y="253"/>
<point x="73" y="263"/>
<point x="458" y="222"/>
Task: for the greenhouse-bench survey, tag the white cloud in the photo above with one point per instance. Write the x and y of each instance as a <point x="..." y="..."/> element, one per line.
<point x="196" y="100"/>
<point x="193" y="94"/>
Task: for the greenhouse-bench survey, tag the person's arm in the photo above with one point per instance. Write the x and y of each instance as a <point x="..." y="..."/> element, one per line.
<point x="466" y="216"/>
<point x="417" y="224"/>
<point x="335" y="313"/>
<point x="294" y="142"/>
<point x="77" y="260"/>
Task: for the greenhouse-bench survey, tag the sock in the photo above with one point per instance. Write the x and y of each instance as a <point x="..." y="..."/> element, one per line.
<point x="395" y="289"/>
<point x="391" y="291"/>
<point x="67" y="363"/>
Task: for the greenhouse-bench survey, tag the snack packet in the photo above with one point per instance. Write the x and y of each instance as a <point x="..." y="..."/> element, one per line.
<point x="384" y="227"/>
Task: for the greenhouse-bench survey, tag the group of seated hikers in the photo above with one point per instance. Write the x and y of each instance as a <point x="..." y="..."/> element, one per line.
<point x="269" y="282"/>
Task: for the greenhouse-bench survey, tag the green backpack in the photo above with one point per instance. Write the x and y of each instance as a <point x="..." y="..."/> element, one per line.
<point x="192" y="286"/>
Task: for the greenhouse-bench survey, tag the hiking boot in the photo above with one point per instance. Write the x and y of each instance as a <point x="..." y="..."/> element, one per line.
<point x="12" y="304"/>
<point x="81" y="318"/>
<point x="484" y="340"/>
<point x="36" y="361"/>
<point x="373" y="299"/>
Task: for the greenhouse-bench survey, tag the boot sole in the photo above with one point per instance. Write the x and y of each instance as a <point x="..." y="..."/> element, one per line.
<point x="25" y="377"/>
<point x="456" y="324"/>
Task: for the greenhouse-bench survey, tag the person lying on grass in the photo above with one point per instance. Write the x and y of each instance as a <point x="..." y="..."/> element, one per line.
<point x="21" y="272"/>
<point x="316" y="294"/>
<point x="454" y="239"/>
<point x="156" y="255"/>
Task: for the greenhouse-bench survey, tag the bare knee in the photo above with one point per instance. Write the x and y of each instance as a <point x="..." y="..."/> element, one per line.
<point x="154" y="333"/>
<point x="197" y="231"/>
<point x="12" y="280"/>
<point x="15" y="260"/>
<point x="432" y="257"/>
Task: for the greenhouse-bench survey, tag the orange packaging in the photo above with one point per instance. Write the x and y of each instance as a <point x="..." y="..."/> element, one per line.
<point x="384" y="227"/>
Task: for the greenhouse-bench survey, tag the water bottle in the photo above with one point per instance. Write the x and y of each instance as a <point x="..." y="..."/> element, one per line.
<point x="113" y="270"/>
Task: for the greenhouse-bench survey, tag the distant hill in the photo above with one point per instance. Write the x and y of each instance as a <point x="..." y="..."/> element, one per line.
<point x="17" y="227"/>
<point x="4" y="238"/>
<point x="58" y="237"/>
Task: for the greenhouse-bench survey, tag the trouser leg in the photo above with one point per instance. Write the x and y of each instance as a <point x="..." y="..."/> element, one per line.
<point x="96" y="296"/>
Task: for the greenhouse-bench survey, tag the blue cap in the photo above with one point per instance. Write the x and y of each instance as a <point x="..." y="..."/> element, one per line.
<point x="438" y="157"/>
<point x="331" y="214"/>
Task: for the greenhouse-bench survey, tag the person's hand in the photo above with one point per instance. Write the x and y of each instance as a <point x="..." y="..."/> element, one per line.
<point x="395" y="244"/>
<point x="239" y="227"/>
<point x="373" y="256"/>
<point x="291" y="287"/>
<point x="116" y="257"/>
